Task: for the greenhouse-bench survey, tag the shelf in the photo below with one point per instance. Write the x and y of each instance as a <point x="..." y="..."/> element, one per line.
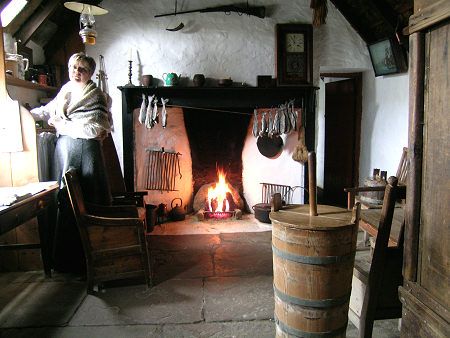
<point x="219" y="97"/>
<point x="12" y="81"/>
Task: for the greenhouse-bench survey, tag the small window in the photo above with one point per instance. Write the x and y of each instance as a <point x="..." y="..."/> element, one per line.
<point x="11" y="10"/>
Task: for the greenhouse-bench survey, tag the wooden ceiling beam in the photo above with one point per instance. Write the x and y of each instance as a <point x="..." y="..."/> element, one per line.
<point x="69" y="27"/>
<point x="26" y="32"/>
<point x="351" y="10"/>
<point x="389" y="16"/>
<point x="374" y="20"/>
<point x="18" y="21"/>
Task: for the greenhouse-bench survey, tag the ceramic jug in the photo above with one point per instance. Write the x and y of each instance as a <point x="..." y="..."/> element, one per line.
<point x="17" y="64"/>
<point x="171" y="79"/>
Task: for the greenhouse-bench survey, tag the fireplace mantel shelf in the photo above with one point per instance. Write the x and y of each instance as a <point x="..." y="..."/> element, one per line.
<point x="219" y="97"/>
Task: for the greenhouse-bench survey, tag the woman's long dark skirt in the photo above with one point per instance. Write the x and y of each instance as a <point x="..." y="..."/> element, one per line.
<point x="86" y="157"/>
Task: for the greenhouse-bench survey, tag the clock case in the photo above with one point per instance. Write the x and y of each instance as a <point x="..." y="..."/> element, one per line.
<point x="283" y="77"/>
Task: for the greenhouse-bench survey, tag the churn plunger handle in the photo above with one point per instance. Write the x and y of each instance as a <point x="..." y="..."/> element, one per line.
<point x="312" y="183"/>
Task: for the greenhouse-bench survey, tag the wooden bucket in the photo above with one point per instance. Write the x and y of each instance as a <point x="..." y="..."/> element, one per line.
<point x="313" y="259"/>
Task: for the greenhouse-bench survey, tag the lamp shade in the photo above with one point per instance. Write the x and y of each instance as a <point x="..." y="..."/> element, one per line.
<point x="85" y="8"/>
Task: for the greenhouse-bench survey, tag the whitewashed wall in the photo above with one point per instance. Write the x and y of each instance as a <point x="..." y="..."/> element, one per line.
<point x="384" y="122"/>
<point x="242" y="47"/>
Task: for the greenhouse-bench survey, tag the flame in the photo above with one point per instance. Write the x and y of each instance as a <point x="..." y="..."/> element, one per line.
<point x="217" y="194"/>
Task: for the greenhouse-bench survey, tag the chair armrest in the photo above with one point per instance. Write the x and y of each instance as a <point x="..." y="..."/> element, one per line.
<point x="130" y="197"/>
<point x="359" y="189"/>
<point x="92" y="220"/>
<point x="351" y="193"/>
<point x="131" y="193"/>
<point x="126" y="211"/>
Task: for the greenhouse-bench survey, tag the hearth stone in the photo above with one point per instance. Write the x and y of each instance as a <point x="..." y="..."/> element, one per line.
<point x="191" y="226"/>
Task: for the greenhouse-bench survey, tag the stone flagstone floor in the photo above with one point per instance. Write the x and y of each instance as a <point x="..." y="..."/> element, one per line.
<point x="212" y="284"/>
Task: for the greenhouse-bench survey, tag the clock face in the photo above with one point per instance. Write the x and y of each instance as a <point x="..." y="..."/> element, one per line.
<point x="295" y="42"/>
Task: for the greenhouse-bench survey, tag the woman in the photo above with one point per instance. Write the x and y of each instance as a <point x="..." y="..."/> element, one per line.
<point x="81" y="120"/>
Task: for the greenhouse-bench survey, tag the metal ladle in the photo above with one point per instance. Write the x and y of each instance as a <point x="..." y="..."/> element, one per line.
<point x="180" y="26"/>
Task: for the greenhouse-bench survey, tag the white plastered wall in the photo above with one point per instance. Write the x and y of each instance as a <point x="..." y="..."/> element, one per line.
<point x="242" y="47"/>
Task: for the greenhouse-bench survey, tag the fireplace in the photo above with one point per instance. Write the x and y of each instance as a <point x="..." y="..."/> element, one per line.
<point x="216" y="123"/>
<point x="216" y="141"/>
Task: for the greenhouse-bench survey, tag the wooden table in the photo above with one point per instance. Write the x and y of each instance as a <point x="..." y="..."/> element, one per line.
<point x="37" y="204"/>
<point x="371" y="217"/>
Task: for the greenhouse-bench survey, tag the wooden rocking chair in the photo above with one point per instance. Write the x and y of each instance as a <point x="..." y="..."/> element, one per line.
<point x="375" y="281"/>
<point x="112" y="237"/>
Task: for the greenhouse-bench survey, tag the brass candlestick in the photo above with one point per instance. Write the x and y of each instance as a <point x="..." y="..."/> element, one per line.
<point x="130" y="73"/>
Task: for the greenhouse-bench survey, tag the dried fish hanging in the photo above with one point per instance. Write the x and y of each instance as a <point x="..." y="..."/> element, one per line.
<point x="162" y="170"/>
<point x="155" y="111"/>
<point x="143" y="109"/>
<point x="276" y="121"/>
<point x="148" y="114"/>
<point x="164" y="112"/>
<point x="255" y="123"/>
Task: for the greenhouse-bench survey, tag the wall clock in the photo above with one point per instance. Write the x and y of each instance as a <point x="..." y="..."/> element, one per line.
<point x="294" y="54"/>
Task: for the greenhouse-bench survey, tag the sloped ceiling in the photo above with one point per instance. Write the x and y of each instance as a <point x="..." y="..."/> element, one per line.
<point x="49" y="22"/>
<point x="375" y="20"/>
<point x="46" y="22"/>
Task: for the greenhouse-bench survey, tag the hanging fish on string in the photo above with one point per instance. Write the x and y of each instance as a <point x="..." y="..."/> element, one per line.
<point x="164" y="112"/>
<point x="276" y="123"/>
<point x="292" y="115"/>
<point x="148" y="116"/>
<point x="263" y="124"/>
<point x="255" y="123"/>
<point x="288" y="127"/>
<point x="155" y="111"/>
<point x="143" y="110"/>
<point x="270" y="124"/>
<point x="282" y="120"/>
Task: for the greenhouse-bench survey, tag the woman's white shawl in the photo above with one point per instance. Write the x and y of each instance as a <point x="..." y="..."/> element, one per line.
<point x="79" y="115"/>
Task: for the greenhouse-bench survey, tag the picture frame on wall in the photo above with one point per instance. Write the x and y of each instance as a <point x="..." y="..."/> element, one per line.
<point x="387" y="57"/>
<point x="294" y="54"/>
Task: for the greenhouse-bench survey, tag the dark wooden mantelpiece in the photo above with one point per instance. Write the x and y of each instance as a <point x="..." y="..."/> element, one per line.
<point x="215" y="98"/>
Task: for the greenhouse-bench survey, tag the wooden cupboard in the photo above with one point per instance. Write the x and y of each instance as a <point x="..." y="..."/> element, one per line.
<point x="425" y="293"/>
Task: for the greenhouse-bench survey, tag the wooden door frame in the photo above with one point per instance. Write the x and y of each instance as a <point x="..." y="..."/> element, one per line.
<point x="357" y="77"/>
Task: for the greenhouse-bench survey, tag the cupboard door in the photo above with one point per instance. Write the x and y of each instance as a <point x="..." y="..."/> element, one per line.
<point x="434" y="245"/>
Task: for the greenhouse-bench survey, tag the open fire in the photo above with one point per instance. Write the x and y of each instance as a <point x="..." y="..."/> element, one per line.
<point x="217" y="194"/>
<point x="219" y="198"/>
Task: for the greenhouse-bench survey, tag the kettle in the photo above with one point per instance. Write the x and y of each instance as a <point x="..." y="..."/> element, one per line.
<point x="177" y="213"/>
<point x="171" y="79"/>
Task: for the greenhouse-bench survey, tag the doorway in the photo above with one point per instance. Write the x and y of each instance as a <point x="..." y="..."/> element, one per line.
<point x="343" y="107"/>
